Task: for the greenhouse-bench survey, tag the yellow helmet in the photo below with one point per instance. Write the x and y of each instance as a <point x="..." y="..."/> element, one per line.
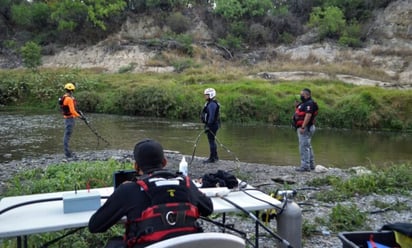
<point x="69" y="86"/>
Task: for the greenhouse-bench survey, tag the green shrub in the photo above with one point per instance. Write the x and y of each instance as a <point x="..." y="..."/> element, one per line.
<point x="31" y="55"/>
<point x="286" y="38"/>
<point x="239" y="29"/>
<point x="256" y="8"/>
<point x="396" y="179"/>
<point x="12" y="90"/>
<point x="347" y="218"/>
<point x="146" y="101"/>
<point x="31" y="16"/>
<point x="182" y="64"/>
<point x="330" y="21"/>
<point x="258" y="34"/>
<point x="88" y="101"/>
<point x="10" y="44"/>
<point x="185" y="41"/>
<point x="230" y="9"/>
<point x="178" y="23"/>
<point x="231" y="42"/>
<point x="351" y="35"/>
<point x="128" y="68"/>
<point x="235" y="9"/>
<point x="242" y="109"/>
<point x="308" y="229"/>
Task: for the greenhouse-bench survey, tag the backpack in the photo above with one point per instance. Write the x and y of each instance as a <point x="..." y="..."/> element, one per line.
<point x="170" y="213"/>
<point x="60" y="101"/>
<point x="63" y="109"/>
<point x="219" y="179"/>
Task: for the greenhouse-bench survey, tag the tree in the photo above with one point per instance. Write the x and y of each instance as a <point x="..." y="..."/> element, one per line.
<point x="330" y="21"/>
<point x="31" y="55"/>
<point x="5" y="16"/>
<point x="31" y="15"/>
<point x="230" y="9"/>
<point x="237" y="9"/>
<point x="255" y="8"/>
<point x="352" y="9"/>
<point x="70" y="14"/>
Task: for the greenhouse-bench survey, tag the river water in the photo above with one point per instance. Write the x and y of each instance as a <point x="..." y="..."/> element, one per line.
<point x="26" y="135"/>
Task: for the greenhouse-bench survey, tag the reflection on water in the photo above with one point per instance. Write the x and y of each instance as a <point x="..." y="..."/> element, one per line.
<point x="33" y="135"/>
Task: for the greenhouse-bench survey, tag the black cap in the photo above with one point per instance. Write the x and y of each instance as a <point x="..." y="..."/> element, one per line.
<point x="148" y="154"/>
<point x="307" y="90"/>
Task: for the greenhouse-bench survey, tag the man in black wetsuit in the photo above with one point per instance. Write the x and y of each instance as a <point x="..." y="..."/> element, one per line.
<point x="210" y="116"/>
<point x="133" y="198"/>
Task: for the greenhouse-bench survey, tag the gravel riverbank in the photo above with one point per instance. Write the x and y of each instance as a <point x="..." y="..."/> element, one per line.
<point x="263" y="176"/>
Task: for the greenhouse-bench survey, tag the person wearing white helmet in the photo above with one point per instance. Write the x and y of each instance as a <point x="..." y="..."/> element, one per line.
<point x="210" y="116"/>
<point x="68" y="106"/>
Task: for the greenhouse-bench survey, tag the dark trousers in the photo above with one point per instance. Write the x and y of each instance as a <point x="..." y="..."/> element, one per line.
<point x="212" y="140"/>
<point x="69" y="126"/>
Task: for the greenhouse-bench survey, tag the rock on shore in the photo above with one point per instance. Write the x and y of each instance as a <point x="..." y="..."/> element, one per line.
<point x="266" y="177"/>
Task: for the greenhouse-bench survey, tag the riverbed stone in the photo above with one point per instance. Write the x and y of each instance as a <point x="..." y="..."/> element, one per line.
<point x="261" y="176"/>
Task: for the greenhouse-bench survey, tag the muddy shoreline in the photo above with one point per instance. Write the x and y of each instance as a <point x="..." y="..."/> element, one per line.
<point x="263" y="176"/>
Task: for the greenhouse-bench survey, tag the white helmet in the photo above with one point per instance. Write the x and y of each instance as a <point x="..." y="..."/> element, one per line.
<point x="211" y="92"/>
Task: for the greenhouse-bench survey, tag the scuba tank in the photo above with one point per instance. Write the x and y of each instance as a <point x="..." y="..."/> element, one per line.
<point x="289" y="224"/>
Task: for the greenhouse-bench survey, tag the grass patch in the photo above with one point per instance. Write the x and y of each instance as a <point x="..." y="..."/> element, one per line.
<point x="64" y="177"/>
<point x="308" y="229"/>
<point x="347" y="218"/>
<point x="396" y="179"/>
<point x="395" y="206"/>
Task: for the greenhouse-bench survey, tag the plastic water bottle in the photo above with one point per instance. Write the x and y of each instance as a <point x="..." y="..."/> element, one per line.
<point x="183" y="166"/>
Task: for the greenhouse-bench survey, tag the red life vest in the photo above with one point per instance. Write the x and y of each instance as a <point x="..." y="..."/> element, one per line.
<point x="170" y="213"/>
<point x="301" y="110"/>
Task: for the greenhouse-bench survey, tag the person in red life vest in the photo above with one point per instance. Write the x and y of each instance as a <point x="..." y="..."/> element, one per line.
<point x="304" y="122"/>
<point x="158" y="204"/>
<point x="210" y="116"/>
<point x="69" y="110"/>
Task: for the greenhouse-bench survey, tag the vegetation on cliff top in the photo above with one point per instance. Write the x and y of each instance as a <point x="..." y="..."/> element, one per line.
<point x="233" y="24"/>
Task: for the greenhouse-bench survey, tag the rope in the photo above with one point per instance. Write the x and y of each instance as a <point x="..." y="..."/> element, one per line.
<point x="236" y="159"/>
<point x="99" y="137"/>
<point x="195" y="146"/>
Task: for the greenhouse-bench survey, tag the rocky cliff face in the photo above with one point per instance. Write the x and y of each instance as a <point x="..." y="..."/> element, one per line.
<point x="388" y="48"/>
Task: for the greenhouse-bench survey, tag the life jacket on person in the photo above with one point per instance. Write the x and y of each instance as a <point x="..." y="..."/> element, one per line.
<point x="170" y="213"/>
<point x="204" y="115"/>
<point x="300" y="113"/>
<point x="64" y="109"/>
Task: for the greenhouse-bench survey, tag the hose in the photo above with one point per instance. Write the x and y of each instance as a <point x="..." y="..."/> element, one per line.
<point x="99" y="137"/>
<point x="195" y="146"/>
<point x="236" y="159"/>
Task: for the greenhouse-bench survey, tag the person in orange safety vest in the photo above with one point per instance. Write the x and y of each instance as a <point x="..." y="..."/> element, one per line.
<point x="69" y="110"/>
